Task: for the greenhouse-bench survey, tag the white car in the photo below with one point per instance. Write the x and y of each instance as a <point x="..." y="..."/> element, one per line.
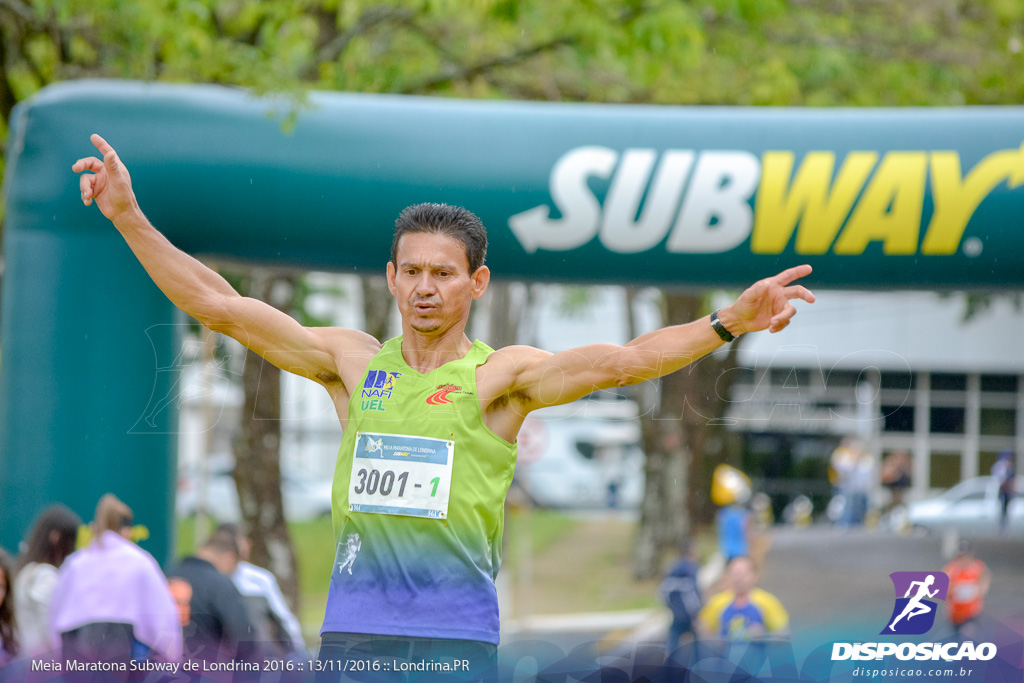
<point x="584" y="455"/>
<point x="970" y="507"/>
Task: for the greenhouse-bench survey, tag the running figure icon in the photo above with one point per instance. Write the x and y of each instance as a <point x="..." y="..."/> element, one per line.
<point x="915" y="607"/>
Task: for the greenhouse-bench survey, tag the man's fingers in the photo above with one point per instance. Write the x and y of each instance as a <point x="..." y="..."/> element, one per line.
<point x="790" y="274"/>
<point x="780" y="320"/>
<point x="86" y="183"/>
<point x="799" y="292"/>
<point x="109" y="155"/>
<point x="102" y="145"/>
<point x="87" y="164"/>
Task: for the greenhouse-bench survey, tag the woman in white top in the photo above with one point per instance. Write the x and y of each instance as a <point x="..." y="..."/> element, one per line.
<point x="51" y="540"/>
<point x="9" y="643"/>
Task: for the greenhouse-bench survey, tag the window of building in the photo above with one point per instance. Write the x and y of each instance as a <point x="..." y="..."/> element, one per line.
<point x="985" y="461"/>
<point x="949" y="381"/>
<point x="791" y="378"/>
<point x="998" y="421"/>
<point x="844" y="379"/>
<point x="947" y="420"/>
<point x="1002" y="383"/>
<point x="945" y="470"/>
<point x="898" y="418"/>
<point x="897" y="380"/>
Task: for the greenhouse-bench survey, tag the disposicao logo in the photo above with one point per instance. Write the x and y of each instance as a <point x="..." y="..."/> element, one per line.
<point x="914" y="614"/>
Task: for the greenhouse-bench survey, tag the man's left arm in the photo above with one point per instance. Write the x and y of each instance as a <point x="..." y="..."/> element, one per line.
<point x="776" y="619"/>
<point x="544" y="379"/>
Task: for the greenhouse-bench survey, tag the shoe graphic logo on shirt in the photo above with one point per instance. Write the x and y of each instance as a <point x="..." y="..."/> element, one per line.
<point x="441" y="395"/>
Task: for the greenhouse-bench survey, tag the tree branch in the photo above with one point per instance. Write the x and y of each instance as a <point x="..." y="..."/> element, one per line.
<point x="22" y="11"/>
<point x="367" y="20"/>
<point x="473" y="70"/>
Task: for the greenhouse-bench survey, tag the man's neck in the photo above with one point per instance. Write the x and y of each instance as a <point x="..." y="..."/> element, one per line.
<point x="425" y="352"/>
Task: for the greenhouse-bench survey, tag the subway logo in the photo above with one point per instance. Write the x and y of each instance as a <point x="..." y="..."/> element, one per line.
<point x="712" y="201"/>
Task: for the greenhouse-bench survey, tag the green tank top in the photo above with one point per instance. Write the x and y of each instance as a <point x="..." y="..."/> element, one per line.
<point x="418" y="504"/>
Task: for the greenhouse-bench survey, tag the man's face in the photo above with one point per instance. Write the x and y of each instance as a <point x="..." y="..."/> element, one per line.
<point x="741" y="576"/>
<point x="432" y="283"/>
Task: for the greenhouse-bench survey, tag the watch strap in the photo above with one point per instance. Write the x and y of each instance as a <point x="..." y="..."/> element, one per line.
<point x="723" y="334"/>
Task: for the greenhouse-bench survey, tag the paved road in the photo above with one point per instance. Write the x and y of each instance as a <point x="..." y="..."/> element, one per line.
<point x="835" y="586"/>
<point x="832" y="581"/>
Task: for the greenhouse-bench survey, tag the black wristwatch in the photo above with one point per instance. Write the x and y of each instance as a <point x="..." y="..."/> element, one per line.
<point x="723" y="334"/>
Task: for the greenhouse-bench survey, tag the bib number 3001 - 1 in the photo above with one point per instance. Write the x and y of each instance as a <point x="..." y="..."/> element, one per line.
<point x="394" y="474"/>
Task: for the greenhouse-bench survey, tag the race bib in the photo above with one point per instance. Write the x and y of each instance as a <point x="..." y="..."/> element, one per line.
<point x="966" y="592"/>
<point x="393" y="474"/>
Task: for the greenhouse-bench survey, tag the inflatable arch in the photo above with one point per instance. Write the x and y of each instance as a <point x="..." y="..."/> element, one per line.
<point x="703" y="196"/>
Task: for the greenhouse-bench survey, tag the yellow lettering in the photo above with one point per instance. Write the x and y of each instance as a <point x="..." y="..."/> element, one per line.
<point x="808" y="200"/>
<point x="890" y="209"/>
<point x="956" y="198"/>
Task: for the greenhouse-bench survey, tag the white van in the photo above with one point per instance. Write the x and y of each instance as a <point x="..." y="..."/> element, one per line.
<point x="583" y="455"/>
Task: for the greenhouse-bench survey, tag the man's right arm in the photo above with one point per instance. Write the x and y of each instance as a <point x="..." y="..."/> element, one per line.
<point x="204" y="294"/>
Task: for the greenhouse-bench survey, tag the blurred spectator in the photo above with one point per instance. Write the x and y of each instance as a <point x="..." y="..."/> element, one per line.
<point x="743" y="611"/>
<point x="9" y="646"/>
<point x="680" y="593"/>
<point x="733" y="523"/>
<point x="111" y="602"/>
<point x="277" y="627"/>
<point x="1004" y="471"/>
<point x="969" y="581"/>
<point x="219" y="627"/>
<point x="852" y="473"/>
<point x="49" y="543"/>
<point x="862" y="481"/>
<point x="761" y="511"/>
<point x="895" y="473"/>
<point x="799" y="511"/>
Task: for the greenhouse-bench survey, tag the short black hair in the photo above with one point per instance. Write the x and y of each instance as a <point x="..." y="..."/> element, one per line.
<point x="224" y="539"/>
<point x="444" y="219"/>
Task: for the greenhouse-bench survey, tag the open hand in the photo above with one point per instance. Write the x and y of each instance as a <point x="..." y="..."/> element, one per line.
<point x="766" y="303"/>
<point x="108" y="183"/>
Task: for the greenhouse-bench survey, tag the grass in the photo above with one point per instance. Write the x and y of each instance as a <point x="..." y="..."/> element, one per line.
<point x="575" y="564"/>
<point x="545" y="527"/>
<point x="583" y="565"/>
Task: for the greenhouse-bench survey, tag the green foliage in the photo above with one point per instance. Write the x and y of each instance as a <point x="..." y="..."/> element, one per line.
<point x="771" y="52"/>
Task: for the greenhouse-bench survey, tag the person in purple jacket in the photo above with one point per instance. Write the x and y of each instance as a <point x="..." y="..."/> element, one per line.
<point x="112" y="602"/>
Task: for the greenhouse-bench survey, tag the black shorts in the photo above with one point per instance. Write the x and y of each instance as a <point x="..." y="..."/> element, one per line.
<point x="367" y="657"/>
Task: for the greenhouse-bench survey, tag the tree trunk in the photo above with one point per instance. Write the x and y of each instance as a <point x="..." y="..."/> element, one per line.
<point x="257" y="450"/>
<point x="509" y="302"/>
<point x="683" y="433"/>
<point x="377" y="306"/>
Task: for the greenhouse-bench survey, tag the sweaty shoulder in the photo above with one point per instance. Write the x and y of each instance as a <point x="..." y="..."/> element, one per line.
<point x="351" y="350"/>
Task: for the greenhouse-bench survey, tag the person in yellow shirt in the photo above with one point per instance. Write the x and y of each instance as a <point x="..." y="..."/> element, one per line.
<point x="744" y="611"/>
